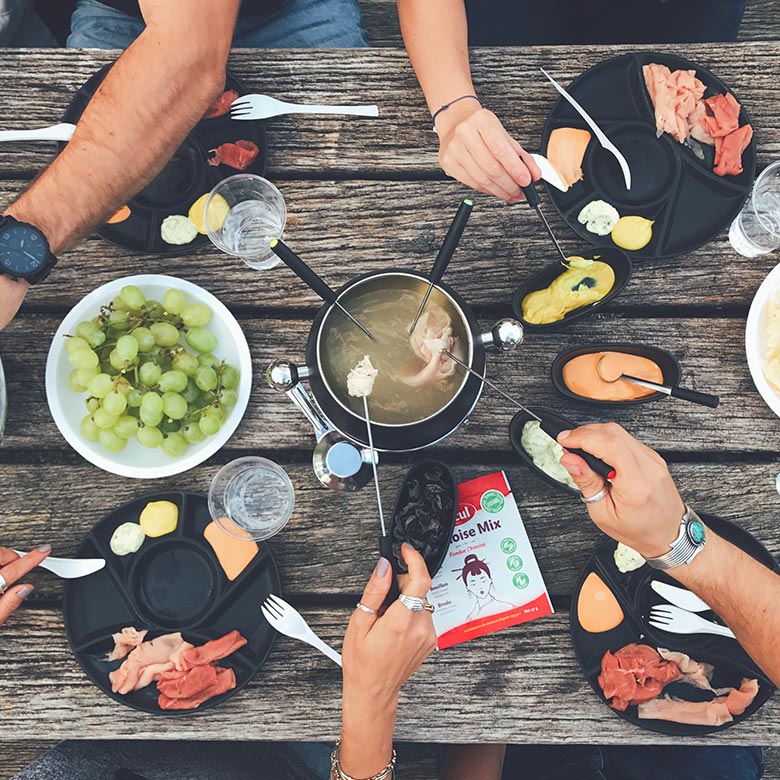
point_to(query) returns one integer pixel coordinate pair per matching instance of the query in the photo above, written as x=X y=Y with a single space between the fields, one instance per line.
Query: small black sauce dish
x=515 y=436
x=667 y=362
x=621 y=265
x=415 y=490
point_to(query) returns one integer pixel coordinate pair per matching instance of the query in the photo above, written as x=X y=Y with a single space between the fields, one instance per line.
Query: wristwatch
x=24 y=251
x=686 y=546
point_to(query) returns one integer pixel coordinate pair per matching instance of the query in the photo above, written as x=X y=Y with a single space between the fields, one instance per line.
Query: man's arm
x=473 y=145
x=150 y=100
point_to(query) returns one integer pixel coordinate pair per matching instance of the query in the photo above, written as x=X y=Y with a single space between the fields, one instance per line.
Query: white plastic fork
x=288 y=621
x=265 y=107
x=61 y=132
x=70 y=568
x=680 y=621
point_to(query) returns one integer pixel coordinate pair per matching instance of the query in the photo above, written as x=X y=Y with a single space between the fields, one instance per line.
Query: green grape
x=150 y=374
x=144 y=338
x=218 y=412
x=115 y=403
x=174 y=406
x=101 y=386
x=134 y=398
x=173 y=301
x=192 y=433
x=201 y=340
x=207 y=359
x=127 y=347
x=150 y=436
x=97 y=339
x=118 y=319
x=83 y=358
x=92 y=404
x=150 y=418
x=117 y=304
x=152 y=403
x=186 y=362
x=154 y=309
x=228 y=397
x=104 y=419
x=209 y=425
x=88 y=429
x=173 y=381
x=196 y=315
x=111 y=441
x=132 y=297
x=174 y=445
x=73 y=343
x=165 y=334
x=190 y=393
x=169 y=426
x=86 y=329
x=118 y=362
x=126 y=426
x=206 y=378
x=74 y=383
x=122 y=385
x=230 y=377
x=86 y=375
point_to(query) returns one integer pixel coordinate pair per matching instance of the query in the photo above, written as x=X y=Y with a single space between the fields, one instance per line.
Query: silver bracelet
x=337 y=773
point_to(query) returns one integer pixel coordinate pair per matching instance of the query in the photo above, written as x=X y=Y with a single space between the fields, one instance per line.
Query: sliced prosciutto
x=125 y=641
x=212 y=651
x=222 y=104
x=635 y=674
x=695 y=713
x=225 y=681
x=721 y=116
x=729 y=149
x=239 y=155
x=146 y=663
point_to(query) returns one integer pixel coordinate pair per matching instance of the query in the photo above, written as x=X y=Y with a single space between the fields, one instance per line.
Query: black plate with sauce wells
x=666 y=361
x=612 y=256
x=670 y=185
x=183 y=180
x=173 y=583
x=636 y=598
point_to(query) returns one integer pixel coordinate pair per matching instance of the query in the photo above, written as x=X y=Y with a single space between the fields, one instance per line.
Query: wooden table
x=362 y=196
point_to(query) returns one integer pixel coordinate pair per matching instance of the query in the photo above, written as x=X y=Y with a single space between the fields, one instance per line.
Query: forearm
x=744 y=593
x=436 y=37
x=132 y=126
x=367 y=733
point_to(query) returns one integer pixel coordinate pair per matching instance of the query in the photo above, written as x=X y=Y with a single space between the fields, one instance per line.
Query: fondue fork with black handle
x=535 y=202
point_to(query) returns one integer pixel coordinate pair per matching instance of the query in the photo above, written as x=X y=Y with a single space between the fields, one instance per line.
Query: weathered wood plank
x=711 y=352
x=17 y=755
x=330 y=544
x=400 y=142
x=531 y=670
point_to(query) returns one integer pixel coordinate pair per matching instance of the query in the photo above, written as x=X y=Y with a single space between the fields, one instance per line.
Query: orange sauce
x=581 y=376
x=234 y=555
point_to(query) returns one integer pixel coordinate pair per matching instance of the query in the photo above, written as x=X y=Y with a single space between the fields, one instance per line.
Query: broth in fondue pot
x=415 y=380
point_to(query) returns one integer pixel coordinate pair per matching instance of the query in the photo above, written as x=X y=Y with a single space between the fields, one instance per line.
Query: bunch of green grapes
x=143 y=381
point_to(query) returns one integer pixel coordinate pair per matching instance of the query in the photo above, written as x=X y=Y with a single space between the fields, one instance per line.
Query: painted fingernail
x=44 y=548
x=563 y=435
x=382 y=565
x=24 y=592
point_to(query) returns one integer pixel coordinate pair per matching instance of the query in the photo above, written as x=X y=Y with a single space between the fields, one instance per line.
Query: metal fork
x=61 y=132
x=265 y=107
x=288 y=621
x=680 y=621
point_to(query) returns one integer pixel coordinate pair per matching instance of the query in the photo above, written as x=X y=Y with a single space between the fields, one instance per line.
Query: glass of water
x=242 y=215
x=251 y=499
x=756 y=230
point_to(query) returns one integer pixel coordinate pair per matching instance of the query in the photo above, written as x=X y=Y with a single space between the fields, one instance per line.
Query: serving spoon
x=610 y=373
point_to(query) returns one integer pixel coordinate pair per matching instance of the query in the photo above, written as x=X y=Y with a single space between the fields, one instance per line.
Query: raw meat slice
x=699 y=675
x=125 y=641
x=675 y=96
x=431 y=335
x=565 y=151
x=184 y=685
x=226 y=681
x=696 y=713
x=738 y=700
x=222 y=104
x=239 y=155
x=212 y=651
x=722 y=115
x=634 y=674
x=729 y=149
x=695 y=127
x=156 y=654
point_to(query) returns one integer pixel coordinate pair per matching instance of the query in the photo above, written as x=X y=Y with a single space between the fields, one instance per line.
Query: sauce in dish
x=586 y=375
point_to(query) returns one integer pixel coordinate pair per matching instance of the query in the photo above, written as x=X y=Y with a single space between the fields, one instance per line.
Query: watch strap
x=683 y=549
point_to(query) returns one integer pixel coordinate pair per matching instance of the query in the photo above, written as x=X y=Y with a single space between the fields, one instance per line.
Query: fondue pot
x=341 y=431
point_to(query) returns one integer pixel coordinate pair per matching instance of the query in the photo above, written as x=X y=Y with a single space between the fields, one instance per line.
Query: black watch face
x=23 y=250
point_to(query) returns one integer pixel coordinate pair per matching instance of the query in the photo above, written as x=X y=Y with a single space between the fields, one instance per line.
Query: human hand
x=12 y=292
x=13 y=568
x=643 y=508
x=474 y=148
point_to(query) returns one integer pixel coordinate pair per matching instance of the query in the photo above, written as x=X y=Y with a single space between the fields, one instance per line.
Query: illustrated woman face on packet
x=476 y=577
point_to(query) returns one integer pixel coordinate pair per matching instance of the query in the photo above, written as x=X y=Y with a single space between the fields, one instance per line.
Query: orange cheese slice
x=597 y=607
x=565 y=151
x=234 y=555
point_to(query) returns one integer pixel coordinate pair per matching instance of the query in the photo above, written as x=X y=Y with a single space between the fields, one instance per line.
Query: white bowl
x=67 y=408
x=755 y=338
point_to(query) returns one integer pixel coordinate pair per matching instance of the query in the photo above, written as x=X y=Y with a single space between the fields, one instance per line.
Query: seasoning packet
x=490 y=578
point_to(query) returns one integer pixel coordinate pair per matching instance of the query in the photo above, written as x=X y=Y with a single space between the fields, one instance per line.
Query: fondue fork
x=535 y=202
x=548 y=426
x=445 y=253
x=373 y=465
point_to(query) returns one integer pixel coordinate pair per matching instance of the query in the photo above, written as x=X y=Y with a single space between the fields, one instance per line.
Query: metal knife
x=680 y=597
x=70 y=568
x=597 y=131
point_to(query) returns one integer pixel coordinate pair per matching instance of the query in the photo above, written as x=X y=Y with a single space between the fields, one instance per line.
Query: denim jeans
x=662 y=762
x=300 y=24
x=21 y=26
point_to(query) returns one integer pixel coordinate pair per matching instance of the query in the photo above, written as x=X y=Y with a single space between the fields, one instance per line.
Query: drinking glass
x=251 y=499
x=756 y=229
x=256 y=215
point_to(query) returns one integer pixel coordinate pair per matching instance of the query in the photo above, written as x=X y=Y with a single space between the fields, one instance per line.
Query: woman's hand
x=475 y=149
x=379 y=654
x=643 y=508
x=12 y=569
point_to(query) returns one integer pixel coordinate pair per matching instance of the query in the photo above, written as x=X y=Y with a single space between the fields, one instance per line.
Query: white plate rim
x=755 y=338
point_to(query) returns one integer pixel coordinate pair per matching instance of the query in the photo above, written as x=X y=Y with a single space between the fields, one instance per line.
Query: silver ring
x=3 y=585
x=601 y=494
x=363 y=608
x=412 y=603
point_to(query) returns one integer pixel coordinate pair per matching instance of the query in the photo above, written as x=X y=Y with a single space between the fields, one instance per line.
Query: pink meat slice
x=132 y=675
x=125 y=641
x=738 y=700
x=191 y=657
x=729 y=149
x=722 y=115
x=226 y=681
x=675 y=96
x=184 y=685
x=695 y=127
x=431 y=335
x=695 y=713
x=699 y=675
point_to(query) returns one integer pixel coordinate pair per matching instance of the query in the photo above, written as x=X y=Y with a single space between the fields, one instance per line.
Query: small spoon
x=615 y=375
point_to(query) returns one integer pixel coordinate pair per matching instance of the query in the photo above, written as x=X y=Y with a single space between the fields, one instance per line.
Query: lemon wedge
x=218 y=210
x=632 y=232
